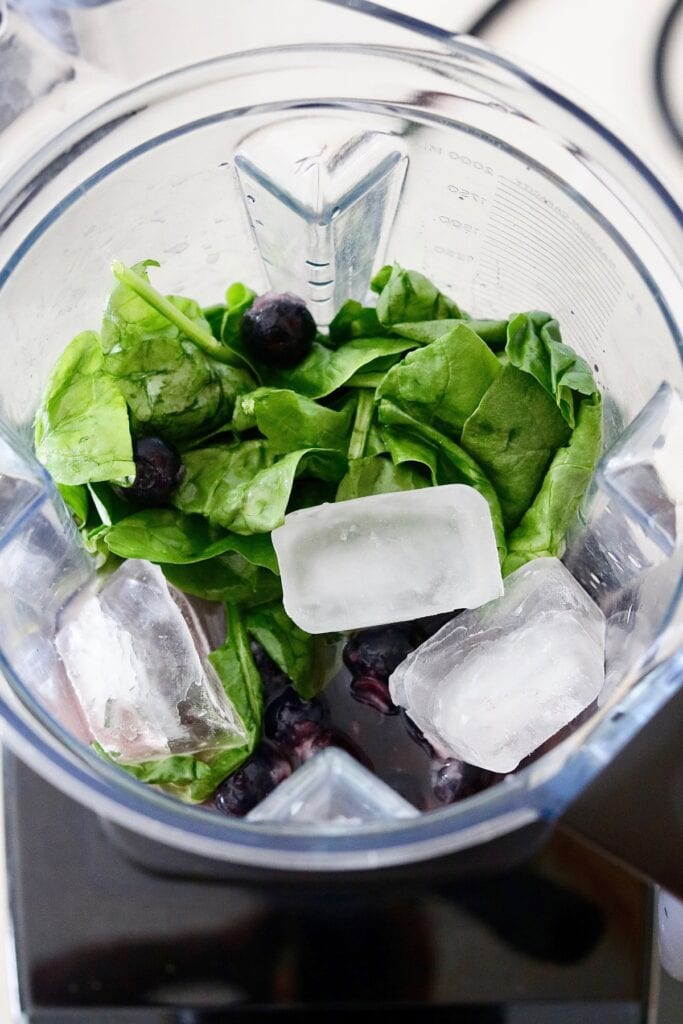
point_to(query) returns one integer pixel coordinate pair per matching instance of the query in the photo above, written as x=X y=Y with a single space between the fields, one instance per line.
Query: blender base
x=98 y=940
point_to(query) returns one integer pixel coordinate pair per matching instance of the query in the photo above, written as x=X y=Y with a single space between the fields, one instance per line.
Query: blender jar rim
x=121 y=797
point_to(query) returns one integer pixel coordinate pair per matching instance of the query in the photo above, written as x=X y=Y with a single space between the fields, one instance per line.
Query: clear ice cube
x=644 y=469
x=321 y=199
x=42 y=564
x=130 y=650
x=631 y=519
x=626 y=548
x=387 y=558
x=332 y=788
x=496 y=682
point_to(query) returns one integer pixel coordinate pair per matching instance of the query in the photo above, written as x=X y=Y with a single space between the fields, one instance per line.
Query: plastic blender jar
x=306 y=166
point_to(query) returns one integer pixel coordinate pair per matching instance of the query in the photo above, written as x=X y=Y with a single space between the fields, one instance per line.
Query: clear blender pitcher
x=292 y=161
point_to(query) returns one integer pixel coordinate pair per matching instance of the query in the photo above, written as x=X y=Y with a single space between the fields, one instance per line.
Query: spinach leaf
x=238 y=298
x=302 y=657
x=379 y=280
x=513 y=434
x=493 y=332
x=107 y=504
x=195 y=777
x=214 y=318
x=443 y=383
x=235 y=665
x=76 y=498
x=166 y=535
x=408 y=296
x=227 y=577
x=354 y=320
x=243 y=488
x=409 y=440
x=324 y=370
x=534 y=344
x=291 y=421
x=544 y=525
x=81 y=426
x=376 y=474
x=170 y=384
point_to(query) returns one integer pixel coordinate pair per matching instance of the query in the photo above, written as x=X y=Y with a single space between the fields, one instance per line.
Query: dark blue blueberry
x=157 y=471
x=378 y=651
x=278 y=330
x=373 y=692
x=455 y=780
x=291 y=720
x=250 y=784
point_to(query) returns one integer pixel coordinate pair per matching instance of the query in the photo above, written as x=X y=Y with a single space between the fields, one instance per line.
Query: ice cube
x=387 y=558
x=644 y=469
x=631 y=519
x=143 y=686
x=495 y=683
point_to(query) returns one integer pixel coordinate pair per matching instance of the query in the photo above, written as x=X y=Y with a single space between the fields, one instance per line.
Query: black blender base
x=98 y=940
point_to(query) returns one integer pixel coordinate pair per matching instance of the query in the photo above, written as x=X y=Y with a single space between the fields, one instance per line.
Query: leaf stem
x=203 y=339
x=361 y=425
x=365 y=380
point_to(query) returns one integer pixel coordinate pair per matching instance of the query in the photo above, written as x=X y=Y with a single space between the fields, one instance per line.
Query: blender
x=258 y=155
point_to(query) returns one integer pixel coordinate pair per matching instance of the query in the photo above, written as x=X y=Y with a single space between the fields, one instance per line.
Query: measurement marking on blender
x=541 y=268
x=533 y=214
x=312 y=263
x=554 y=293
x=557 y=238
x=554 y=289
x=578 y=327
x=603 y=291
x=525 y=204
x=505 y=225
x=522 y=190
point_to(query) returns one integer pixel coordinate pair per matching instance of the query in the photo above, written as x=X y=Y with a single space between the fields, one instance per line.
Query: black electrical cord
x=659 y=71
x=659 y=61
x=487 y=17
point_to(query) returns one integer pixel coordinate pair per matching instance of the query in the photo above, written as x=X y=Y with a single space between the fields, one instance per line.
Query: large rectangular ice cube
x=387 y=558
x=130 y=655
x=495 y=683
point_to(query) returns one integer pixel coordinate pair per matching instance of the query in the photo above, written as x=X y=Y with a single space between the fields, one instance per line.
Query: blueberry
x=455 y=780
x=157 y=471
x=377 y=652
x=373 y=692
x=250 y=784
x=278 y=330
x=291 y=720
